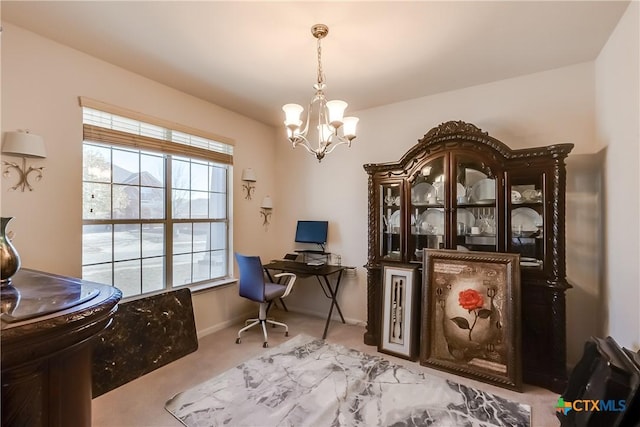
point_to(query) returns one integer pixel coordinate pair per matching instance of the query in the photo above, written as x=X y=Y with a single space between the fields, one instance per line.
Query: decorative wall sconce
x=23 y=144
x=265 y=210
x=248 y=177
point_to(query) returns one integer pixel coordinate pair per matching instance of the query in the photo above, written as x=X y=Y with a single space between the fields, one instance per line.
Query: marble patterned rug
x=309 y=382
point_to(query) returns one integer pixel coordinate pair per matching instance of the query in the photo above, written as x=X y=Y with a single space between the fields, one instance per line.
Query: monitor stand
x=318 y=257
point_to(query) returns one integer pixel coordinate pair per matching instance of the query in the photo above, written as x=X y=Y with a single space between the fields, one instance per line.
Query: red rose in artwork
x=470 y=299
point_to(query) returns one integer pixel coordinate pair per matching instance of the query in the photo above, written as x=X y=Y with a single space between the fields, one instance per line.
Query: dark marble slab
x=146 y=334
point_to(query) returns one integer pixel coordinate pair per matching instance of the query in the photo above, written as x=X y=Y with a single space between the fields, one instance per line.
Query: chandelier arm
x=334 y=145
x=304 y=143
x=305 y=131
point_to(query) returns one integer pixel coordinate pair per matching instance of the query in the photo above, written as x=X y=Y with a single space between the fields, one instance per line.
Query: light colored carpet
x=309 y=382
x=140 y=403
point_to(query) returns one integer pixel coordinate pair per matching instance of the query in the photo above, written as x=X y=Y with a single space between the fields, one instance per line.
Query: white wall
x=41 y=82
x=534 y=110
x=618 y=129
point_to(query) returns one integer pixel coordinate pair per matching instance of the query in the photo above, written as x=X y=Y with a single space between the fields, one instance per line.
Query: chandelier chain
x=320 y=72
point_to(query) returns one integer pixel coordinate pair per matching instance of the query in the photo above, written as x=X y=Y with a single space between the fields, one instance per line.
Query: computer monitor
x=312 y=232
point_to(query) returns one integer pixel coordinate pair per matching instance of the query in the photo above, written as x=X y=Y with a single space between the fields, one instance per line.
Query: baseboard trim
x=217 y=327
x=238 y=319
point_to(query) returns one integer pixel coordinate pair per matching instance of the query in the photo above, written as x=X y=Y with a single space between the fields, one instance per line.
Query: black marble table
x=47 y=325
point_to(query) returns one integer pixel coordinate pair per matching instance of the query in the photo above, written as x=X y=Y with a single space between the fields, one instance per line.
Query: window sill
x=201 y=287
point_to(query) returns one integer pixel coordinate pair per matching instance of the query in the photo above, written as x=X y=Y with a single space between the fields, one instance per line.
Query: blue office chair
x=254 y=287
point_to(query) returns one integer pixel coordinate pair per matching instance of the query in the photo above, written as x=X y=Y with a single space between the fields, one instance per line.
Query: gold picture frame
x=470 y=317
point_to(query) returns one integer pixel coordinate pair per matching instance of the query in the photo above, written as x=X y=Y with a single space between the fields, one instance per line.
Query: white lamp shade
x=267 y=203
x=349 y=126
x=292 y=114
x=23 y=144
x=248 y=175
x=336 y=111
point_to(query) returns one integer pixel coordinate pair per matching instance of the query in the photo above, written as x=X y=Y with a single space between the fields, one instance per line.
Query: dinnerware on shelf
x=432 y=221
x=484 y=191
x=394 y=222
x=486 y=221
x=532 y=195
x=531 y=263
x=515 y=196
x=466 y=218
x=440 y=186
x=525 y=220
x=421 y=192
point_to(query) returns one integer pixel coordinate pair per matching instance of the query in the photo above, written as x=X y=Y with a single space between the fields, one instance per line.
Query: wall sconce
x=249 y=177
x=265 y=210
x=23 y=144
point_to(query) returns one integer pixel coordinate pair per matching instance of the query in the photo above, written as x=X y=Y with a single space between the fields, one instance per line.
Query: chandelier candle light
x=326 y=116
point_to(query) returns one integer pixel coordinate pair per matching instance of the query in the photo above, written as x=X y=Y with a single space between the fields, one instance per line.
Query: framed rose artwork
x=470 y=316
x=400 y=313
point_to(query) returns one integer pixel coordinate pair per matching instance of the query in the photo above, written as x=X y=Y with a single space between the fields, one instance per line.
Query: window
x=155 y=205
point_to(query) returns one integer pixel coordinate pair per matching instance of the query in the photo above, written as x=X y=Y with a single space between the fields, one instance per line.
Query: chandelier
x=324 y=118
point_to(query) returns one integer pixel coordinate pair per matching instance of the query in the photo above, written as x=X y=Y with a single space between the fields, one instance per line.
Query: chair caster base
x=265 y=345
x=237 y=340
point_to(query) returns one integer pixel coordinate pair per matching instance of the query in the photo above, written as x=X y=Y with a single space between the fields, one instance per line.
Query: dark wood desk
x=322 y=273
x=48 y=325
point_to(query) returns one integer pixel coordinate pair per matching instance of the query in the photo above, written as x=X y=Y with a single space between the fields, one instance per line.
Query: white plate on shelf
x=465 y=216
x=530 y=263
x=525 y=219
x=433 y=218
x=439 y=186
x=484 y=191
x=471 y=176
x=421 y=192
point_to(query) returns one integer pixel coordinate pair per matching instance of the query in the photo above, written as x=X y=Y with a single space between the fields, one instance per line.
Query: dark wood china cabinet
x=460 y=188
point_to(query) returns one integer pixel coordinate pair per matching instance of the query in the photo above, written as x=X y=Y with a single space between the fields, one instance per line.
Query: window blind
x=110 y=128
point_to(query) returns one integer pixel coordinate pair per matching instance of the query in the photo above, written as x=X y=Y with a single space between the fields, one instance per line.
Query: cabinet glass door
x=476 y=191
x=526 y=219
x=427 y=209
x=391 y=221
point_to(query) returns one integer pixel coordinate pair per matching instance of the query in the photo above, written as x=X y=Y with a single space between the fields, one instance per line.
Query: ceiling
x=253 y=57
